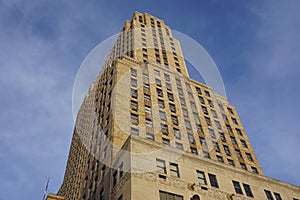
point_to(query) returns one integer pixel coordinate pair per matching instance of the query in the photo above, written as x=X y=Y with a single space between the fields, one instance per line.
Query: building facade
x=146 y=130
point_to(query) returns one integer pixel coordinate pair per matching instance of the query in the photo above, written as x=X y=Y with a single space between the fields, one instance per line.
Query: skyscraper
x=146 y=130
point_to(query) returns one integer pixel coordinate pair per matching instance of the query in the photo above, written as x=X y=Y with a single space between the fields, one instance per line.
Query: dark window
x=249 y=157
x=172 y=107
x=269 y=195
x=134 y=131
x=231 y=162
x=166 y=141
x=169 y=196
x=213 y=180
x=194 y=150
x=248 y=190
x=179 y=145
x=277 y=196
x=115 y=177
x=191 y=138
x=244 y=144
x=150 y=136
x=243 y=166
x=237 y=187
x=254 y=169
x=206 y=154
x=220 y=158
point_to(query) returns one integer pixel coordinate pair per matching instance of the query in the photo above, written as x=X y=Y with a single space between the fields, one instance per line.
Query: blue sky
x=255 y=44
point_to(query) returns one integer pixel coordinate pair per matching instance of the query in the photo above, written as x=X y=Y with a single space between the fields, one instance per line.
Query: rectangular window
x=133 y=72
x=133 y=82
x=254 y=169
x=180 y=91
x=196 y=117
x=159 y=92
x=212 y=133
x=182 y=101
x=169 y=196
x=161 y=166
x=243 y=166
x=194 y=151
x=178 y=82
x=199 y=127
x=202 y=141
x=210 y=103
x=148 y=109
x=167 y=77
x=134 y=131
x=213 y=180
x=168 y=86
x=201 y=177
x=238 y=153
x=147 y=97
x=134 y=105
x=156 y=72
x=204 y=109
x=188 y=124
x=222 y=136
x=201 y=99
x=134 y=119
x=170 y=96
x=230 y=110
x=239 y=131
x=161 y=103
x=214 y=113
x=174 y=171
x=206 y=154
x=248 y=190
x=237 y=187
x=149 y=123
x=226 y=149
x=216 y=146
x=233 y=140
x=229 y=128
x=158 y=82
x=207 y=93
x=191 y=138
x=164 y=129
x=150 y=136
x=174 y=119
x=269 y=195
x=177 y=133
x=179 y=145
x=163 y=116
x=120 y=198
x=244 y=144
x=249 y=157
x=220 y=158
x=172 y=107
x=208 y=122
x=234 y=121
x=166 y=141
x=198 y=90
x=230 y=162
x=185 y=112
x=134 y=93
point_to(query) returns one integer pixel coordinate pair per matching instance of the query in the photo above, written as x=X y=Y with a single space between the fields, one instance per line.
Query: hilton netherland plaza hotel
x=146 y=131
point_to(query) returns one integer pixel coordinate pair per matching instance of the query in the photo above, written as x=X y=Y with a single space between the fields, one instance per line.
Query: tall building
x=146 y=130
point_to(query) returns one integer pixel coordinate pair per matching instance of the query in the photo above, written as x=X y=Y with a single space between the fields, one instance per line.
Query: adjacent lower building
x=146 y=130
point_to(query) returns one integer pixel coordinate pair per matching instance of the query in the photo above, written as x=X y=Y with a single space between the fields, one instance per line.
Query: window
x=158 y=82
x=220 y=158
x=207 y=93
x=191 y=138
x=134 y=119
x=226 y=149
x=166 y=141
x=149 y=123
x=221 y=107
x=204 y=109
x=150 y=136
x=243 y=166
x=174 y=119
x=216 y=146
x=239 y=131
x=202 y=141
x=146 y=86
x=248 y=190
x=199 y=127
x=134 y=105
x=162 y=115
x=161 y=103
x=233 y=140
x=147 y=97
x=222 y=136
x=156 y=72
x=172 y=107
x=134 y=93
x=177 y=133
x=201 y=177
x=244 y=144
x=169 y=196
x=148 y=109
x=133 y=82
x=224 y=117
x=185 y=112
x=198 y=90
x=237 y=187
x=229 y=128
x=211 y=133
x=193 y=105
x=161 y=166
x=213 y=180
x=254 y=169
x=269 y=195
x=164 y=129
x=196 y=117
x=187 y=124
x=167 y=77
x=214 y=113
x=277 y=196
x=168 y=86
x=170 y=96
x=182 y=101
x=179 y=145
x=180 y=91
x=238 y=153
x=208 y=122
x=159 y=92
x=206 y=154
x=134 y=131
x=133 y=72
x=201 y=99
x=120 y=198
x=230 y=162
x=249 y=157
x=174 y=171
x=194 y=151
x=178 y=82
x=211 y=104
x=234 y=121
x=230 y=110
